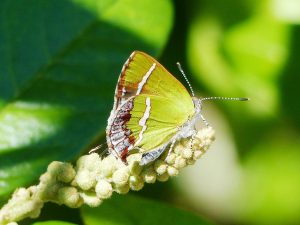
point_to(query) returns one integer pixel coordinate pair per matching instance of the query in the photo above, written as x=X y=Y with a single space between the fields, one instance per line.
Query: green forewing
x=160 y=83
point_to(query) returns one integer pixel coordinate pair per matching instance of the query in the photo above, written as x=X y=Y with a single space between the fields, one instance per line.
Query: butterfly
x=152 y=110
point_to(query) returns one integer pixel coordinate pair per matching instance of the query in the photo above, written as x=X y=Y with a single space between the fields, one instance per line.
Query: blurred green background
x=59 y=63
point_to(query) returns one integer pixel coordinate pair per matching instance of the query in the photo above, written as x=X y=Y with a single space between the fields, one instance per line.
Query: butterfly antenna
x=185 y=77
x=224 y=98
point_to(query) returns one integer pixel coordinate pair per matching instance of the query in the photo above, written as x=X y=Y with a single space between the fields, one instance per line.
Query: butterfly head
x=198 y=108
x=198 y=104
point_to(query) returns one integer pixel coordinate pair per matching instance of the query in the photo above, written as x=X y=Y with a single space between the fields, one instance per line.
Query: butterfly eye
x=197 y=104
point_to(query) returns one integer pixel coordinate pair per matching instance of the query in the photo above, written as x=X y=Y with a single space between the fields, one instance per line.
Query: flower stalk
x=93 y=179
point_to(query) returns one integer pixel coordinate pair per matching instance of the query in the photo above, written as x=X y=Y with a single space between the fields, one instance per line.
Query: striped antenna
x=183 y=74
x=224 y=98
x=207 y=98
x=219 y=98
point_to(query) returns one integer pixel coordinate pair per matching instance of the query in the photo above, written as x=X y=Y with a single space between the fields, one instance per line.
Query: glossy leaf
x=60 y=61
x=53 y=222
x=127 y=210
x=270 y=191
x=238 y=55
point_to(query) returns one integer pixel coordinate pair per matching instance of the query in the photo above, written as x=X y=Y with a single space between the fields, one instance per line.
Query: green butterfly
x=152 y=110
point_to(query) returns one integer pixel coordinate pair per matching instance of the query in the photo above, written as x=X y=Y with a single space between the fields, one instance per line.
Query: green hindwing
x=156 y=119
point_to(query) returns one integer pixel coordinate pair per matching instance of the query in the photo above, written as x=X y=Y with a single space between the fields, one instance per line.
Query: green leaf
x=270 y=191
x=60 y=62
x=53 y=222
x=129 y=209
x=238 y=50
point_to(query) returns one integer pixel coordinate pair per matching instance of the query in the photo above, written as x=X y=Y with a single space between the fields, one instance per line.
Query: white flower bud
x=172 y=171
x=108 y=166
x=85 y=180
x=61 y=171
x=136 y=183
x=185 y=143
x=46 y=178
x=179 y=162
x=135 y=168
x=91 y=199
x=190 y=161
x=67 y=173
x=120 y=177
x=122 y=189
x=22 y=193
x=149 y=175
x=206 y=133
x=178 y=148
x=20 y=206
x=197 y=154
x=103 y=189
x=36 y=209
x=187 y=153
x=134 y=158
x=170 y=158
x=90 y=162
x=160 y=166
x=163 y=177
x=70 y=197
x=48 y=191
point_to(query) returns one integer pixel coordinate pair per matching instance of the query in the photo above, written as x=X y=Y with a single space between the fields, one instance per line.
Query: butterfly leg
x=97 y=148
x=171 y=147
x=105 y=151
x=204 y=120
x=193 y=138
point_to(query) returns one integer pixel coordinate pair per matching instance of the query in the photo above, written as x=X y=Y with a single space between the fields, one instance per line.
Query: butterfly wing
x=154 y=120
x=150 y=106
x=142 y=74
